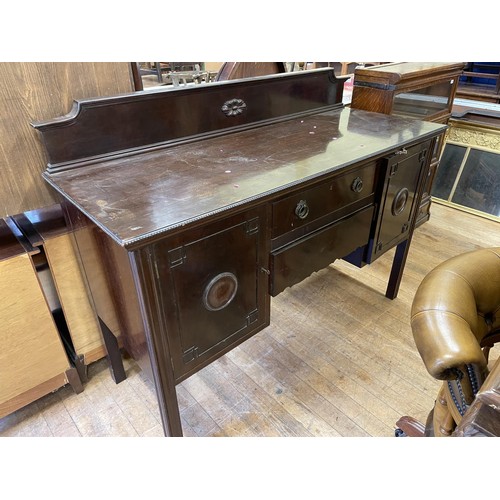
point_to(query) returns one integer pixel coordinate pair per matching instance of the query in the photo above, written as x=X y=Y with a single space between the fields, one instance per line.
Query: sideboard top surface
x=137 y=197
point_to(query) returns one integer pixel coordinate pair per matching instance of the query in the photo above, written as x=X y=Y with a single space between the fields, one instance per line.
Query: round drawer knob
x=220 y=291
x=357 y=185
x=302 y=209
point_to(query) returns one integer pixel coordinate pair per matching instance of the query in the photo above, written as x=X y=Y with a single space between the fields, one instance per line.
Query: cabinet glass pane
x=479 y=184
x=447 y=170
x=425 y=102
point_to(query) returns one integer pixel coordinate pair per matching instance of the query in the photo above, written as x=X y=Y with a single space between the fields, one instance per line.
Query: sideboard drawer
x=321 y=201
x=293 y=263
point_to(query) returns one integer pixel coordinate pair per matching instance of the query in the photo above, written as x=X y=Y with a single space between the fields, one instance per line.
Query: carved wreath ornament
x=234 y=107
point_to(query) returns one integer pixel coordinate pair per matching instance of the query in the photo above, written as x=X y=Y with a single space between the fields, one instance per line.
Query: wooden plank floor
x=337 y=360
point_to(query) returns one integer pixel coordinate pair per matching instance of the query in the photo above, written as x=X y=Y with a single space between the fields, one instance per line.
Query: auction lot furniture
x=190 y=207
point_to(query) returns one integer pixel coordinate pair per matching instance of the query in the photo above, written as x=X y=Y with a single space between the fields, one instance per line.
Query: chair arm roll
x=454 y=346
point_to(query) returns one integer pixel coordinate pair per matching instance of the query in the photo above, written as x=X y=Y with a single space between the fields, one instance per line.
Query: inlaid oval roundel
x=400 y=200
x=220 y=291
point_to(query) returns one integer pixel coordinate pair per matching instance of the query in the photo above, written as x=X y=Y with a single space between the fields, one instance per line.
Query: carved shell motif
x=234 y=107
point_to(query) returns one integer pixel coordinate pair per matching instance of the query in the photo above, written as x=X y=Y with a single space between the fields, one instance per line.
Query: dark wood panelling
x=210 y=176
x=35 y=91
x=98 y=127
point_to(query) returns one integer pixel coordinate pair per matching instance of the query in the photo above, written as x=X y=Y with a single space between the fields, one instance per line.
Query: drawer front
x=305 y=207
x=297 y=261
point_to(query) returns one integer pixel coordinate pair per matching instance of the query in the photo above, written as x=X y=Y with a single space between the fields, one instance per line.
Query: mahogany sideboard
x=192 y=206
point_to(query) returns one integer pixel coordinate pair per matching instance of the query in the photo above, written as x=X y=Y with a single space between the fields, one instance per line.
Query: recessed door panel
x=398 y=202
x=214 y=290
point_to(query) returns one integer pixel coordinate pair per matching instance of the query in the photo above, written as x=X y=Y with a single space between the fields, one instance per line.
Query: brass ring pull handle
x=220 y=291
x=357 y=185
x=302 y=209
x=399 y=202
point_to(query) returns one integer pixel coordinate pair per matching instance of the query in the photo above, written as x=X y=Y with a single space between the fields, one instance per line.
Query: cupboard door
x=404 y=171
x=213 y=288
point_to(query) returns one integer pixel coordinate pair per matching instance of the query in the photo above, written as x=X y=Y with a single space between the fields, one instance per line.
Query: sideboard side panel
x=111 y=284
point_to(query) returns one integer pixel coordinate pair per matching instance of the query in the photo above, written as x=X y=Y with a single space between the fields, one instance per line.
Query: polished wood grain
x=222 y=174
x=32 y=91
x=407 y=75
x=165 y=116
x=328 y=366
x=110 y=284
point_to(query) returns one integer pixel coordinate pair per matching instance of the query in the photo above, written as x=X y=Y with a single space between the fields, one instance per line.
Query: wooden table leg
x=171 y=418
x=398 y=265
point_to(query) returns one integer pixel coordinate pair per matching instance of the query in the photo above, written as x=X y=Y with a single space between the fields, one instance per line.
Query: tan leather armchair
x=455 y=319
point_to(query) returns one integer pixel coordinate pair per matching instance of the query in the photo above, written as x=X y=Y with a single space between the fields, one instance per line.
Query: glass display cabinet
x=420 y=90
